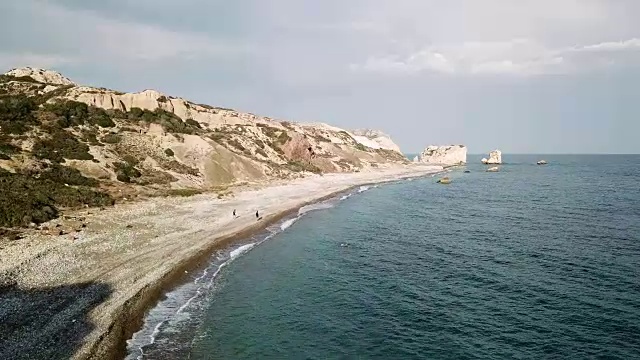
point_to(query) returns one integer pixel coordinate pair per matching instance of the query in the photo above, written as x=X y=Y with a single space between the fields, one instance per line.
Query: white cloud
x=91 y=36
x=516 y=57
x=9 y=60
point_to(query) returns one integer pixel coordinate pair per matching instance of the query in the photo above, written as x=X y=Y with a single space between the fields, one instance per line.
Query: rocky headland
x=443 y=155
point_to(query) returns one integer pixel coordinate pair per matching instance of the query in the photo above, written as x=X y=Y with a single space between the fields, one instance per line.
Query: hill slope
x=66 y=145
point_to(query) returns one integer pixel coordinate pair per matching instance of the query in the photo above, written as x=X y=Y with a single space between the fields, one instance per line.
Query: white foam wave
x=285 y=225
x=363 y=188
x=237 y=252
x=345 y=197
x=319 y=206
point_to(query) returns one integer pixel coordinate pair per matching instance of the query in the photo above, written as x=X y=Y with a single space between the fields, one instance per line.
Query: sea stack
x=495 y=157
x=443 y=155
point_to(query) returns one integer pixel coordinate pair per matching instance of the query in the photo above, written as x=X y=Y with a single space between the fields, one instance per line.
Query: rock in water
x=443 y=155
x=493 y=169
x=495 y=157
x=542 y=162
x=444 y=180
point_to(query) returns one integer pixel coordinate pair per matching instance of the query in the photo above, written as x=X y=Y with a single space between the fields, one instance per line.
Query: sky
x=525 y=76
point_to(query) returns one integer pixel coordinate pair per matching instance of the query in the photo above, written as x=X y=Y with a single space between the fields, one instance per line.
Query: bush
x=261 y=152
x=61 y=145
x=193 y=123
x=361 y=147
x=283 y=138
x=16 y=114
x=126 y=171
x=299 y=166
x=66 y=175
x=111 y=139
x=162 y=99
x=236 y=144
x=169 y=152
x=26 y=199
x=6 y=149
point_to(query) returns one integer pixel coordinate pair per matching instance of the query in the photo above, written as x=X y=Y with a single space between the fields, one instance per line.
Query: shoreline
x=144 y=261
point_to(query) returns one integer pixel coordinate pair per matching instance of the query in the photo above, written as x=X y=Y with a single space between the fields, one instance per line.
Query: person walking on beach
x=234 y=212
x=257 y=215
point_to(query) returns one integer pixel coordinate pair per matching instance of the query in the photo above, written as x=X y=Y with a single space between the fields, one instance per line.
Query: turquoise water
x=532 y=262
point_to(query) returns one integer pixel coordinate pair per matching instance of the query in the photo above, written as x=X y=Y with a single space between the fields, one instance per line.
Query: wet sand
x=82 y=298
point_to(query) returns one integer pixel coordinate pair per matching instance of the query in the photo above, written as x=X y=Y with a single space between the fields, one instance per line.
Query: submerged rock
x=444 y=180
x=495 y=157
x=443 y=155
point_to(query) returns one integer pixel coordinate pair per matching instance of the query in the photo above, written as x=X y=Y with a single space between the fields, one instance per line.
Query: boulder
x=542 y=162
x=443 y=155
x=495 y=157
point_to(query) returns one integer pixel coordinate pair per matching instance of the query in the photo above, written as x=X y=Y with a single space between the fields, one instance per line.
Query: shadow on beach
x=47 y=323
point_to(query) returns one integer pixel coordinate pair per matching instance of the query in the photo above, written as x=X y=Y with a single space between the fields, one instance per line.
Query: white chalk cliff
x=375 y=139
x=41 y=75
x=213 y=117
x=443 y=155
x=495 y=157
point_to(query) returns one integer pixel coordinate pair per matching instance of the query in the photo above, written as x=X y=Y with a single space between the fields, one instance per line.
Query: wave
x=345 y=197
x=319 y=206
x=239 y=251
x=285 y=225
x=171 y=311
x=363 y=188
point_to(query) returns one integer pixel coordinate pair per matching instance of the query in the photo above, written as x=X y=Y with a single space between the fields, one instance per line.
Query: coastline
x=142 y=250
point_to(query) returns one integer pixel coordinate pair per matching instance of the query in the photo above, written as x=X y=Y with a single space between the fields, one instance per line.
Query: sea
x=531 y=262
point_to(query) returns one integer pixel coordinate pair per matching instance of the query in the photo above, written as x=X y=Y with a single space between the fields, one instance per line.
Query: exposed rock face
x=156 y=135
x=376 y=138
x=443 y=155
x=495 y=157
x=41 y=75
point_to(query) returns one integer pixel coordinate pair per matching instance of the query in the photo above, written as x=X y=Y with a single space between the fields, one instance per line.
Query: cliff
x=443 y=155
x=92 y=144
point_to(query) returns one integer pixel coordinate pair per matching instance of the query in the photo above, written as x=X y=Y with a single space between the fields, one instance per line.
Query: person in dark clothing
x=257 y=215
x=234 y=212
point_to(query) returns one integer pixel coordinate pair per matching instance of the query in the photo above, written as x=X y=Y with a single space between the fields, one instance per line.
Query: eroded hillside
x=63 y=145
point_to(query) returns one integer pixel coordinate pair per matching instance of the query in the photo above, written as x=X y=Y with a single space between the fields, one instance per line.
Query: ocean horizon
x=530 y=262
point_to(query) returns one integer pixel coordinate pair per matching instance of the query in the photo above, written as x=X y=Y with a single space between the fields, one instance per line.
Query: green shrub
x=361 y=147
x=283 y=138
x=111 y=139
x=125 y=172
x=321 y=138
x=135 y=113
x=61 y=145
x=168 y=152
x=66 y=175
x=236 y=144
x=193 y=123
x=261 y=152
x=16 y=114
x=26 y=199
x=299 y=166
x=217 y=136
x=6 y=149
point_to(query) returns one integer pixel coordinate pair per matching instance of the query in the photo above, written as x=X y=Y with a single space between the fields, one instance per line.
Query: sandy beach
x=82 y=298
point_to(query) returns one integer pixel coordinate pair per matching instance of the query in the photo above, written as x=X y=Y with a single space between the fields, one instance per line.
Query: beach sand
x=81 y=298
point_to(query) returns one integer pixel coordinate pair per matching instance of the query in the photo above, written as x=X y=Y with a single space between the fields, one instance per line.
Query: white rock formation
x=380 y=140
x=495 y=157
x=41 y=75
x=443 y=155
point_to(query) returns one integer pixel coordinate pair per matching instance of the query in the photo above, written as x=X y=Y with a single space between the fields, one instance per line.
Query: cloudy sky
x=525 y=76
